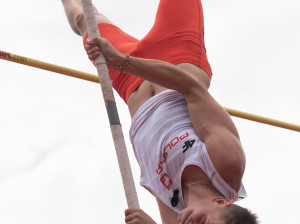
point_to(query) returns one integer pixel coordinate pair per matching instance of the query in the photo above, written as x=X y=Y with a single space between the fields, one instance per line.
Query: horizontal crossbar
x=93 y=78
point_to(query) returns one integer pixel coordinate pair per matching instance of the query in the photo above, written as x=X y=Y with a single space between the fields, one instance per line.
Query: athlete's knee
x=79 y=23
x=100 y=18
x=79 y=20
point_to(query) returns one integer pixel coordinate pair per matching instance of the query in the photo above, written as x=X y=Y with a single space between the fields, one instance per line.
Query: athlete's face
x=203 y=213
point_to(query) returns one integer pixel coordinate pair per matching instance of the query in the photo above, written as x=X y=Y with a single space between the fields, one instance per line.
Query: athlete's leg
x=119 y=39
x=177 y=35
x=75 y=16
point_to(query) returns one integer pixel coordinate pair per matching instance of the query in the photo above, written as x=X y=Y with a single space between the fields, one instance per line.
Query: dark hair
x=235 y=214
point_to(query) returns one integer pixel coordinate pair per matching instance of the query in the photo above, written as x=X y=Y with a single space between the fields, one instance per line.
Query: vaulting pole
x=93 y=78
x=116 y=129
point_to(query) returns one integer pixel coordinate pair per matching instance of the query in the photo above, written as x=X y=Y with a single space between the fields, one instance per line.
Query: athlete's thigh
x=178 y=33
x=177 y=15
x=100 y=18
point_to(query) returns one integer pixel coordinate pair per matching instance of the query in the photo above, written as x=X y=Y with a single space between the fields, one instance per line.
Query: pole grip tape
x=112 y=111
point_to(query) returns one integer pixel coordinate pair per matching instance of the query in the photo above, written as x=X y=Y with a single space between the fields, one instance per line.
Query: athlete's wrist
x=122 y=63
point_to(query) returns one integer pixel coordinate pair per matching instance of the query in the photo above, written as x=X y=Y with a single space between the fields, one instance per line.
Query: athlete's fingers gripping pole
x=116 y=129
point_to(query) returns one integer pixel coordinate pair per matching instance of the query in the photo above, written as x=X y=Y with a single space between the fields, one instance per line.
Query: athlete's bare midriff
x=148 y=89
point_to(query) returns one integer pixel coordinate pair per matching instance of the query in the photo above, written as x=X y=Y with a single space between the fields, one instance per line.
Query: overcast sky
x=57 y=159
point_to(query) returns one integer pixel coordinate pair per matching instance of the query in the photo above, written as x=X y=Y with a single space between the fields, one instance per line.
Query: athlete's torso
x=148 y=89
x=144 y=92
x=158 y=119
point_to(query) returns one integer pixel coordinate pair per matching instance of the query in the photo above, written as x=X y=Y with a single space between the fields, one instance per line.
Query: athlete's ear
x=223 y=202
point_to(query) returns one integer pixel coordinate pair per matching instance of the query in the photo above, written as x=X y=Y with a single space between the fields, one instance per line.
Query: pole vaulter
x=93 y=78
x=187 y=146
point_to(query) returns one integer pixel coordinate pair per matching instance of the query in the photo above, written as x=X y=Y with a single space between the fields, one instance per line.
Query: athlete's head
x=217 y=211
x=235 y=214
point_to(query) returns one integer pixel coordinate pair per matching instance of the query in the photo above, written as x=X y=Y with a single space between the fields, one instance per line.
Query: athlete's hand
x=112 y=55
x=137 y=216
x=192 y=214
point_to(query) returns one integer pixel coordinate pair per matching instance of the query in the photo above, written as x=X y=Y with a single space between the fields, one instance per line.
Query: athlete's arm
x=158 y=72
x=214 y=126
x=211 y=122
